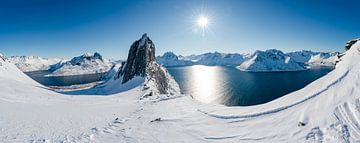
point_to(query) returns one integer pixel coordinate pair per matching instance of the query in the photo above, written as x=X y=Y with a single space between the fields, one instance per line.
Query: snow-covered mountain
x=32 y=63
x=315 y=58
x=324 y=59
x=327 y=110
x=302 y=56
x=140 y=69
x=84 y=64
x=270 y=60
x=170 y=59
x=216 y=58
x=209 y=59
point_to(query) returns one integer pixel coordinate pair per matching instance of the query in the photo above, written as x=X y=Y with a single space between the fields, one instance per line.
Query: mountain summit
x=140 y=70
x=140 y=58
x=141 y=62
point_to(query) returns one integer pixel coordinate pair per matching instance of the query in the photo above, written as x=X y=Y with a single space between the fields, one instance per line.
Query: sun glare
x=203 y=22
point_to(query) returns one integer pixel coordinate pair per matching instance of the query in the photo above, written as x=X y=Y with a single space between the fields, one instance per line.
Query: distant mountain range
x=269 y=60
x=84 y=64
x=33 y=63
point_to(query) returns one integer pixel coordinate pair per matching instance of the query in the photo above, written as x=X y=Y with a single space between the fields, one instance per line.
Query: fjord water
x=232 y=87
x=40 y=77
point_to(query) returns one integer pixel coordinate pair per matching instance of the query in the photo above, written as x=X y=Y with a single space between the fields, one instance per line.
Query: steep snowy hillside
x=32 y=63
x=170 y=59
x=326 y=110
x=270 y=60
x=84 y=64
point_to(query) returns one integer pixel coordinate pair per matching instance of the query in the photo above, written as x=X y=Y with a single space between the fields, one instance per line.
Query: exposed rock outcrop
x=141 y=55
x=350 y=43
x=141 y=62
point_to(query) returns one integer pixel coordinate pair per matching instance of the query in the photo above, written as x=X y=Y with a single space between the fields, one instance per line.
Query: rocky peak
x=141 y=55
x=141 y=62
x=2 y=57
x=350 y=43
x=169 y=55
x=97 y=56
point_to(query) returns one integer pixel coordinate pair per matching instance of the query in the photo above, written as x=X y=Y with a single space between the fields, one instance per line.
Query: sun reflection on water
x=205 y=82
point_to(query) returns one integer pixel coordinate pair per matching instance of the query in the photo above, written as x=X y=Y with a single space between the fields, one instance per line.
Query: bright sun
x=203 y=22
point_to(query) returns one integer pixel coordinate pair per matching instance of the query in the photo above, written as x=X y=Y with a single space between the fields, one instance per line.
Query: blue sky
x=67 y=28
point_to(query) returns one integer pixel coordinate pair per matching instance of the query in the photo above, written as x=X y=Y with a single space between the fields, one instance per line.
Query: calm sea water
x=39 y=76
x=232 y=87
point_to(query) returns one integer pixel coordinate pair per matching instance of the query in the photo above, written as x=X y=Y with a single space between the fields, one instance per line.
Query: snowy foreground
x=326 y=110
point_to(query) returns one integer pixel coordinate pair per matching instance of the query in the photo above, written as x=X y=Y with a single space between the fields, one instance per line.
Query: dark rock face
x=141 y=54
x=350 y=43
x=141 y=61
x=2 y=57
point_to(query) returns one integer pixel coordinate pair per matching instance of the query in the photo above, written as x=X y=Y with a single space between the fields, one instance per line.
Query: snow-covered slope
x=324 y=59
x=209 y=59
x=270 y=60
x=84 y=64
x=32 y=63
x=326 y=110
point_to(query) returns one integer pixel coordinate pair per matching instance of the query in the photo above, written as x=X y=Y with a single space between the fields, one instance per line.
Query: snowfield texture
x=84 y=64
x=327 y=110
x=33 y=63
x=270 y=60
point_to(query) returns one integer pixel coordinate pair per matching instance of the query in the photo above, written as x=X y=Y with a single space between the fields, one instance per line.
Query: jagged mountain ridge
x=84 y=64
x=304 y=58
x=209 y=59
x=270 y=60
x=141 y=62
x=139 y=70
